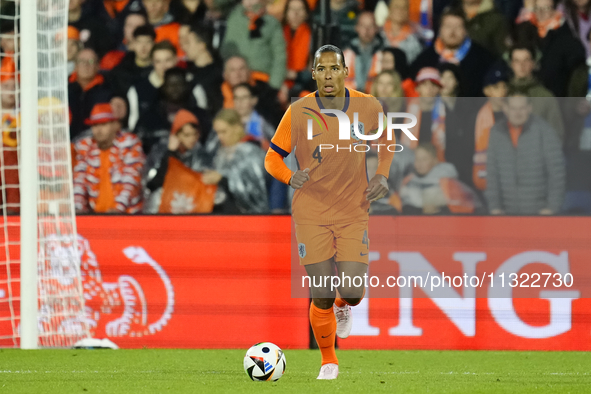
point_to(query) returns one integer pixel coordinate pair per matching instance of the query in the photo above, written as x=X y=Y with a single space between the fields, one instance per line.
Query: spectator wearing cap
x=525 y=169
x=400 y=32
x=107 y=176
x=144 y=92
x=163 y=21
x=486 y=25
x=136 y=64
x=495 y=89
x=454 y=46
x=258 y=38
x=74 y=46
x=545 y=104
x=113 y=58
x=363 y=55
x=562 y=52
x=94 y=32
x=182 y=144
x=175 y=94
x=205 y=66
x=429 y=111
x=86 y=88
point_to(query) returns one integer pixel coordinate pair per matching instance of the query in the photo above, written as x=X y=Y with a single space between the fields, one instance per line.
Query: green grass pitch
x=220 y=371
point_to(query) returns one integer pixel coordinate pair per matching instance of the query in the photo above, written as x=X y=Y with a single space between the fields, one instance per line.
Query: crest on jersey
x=302 y=250
x=361 y=130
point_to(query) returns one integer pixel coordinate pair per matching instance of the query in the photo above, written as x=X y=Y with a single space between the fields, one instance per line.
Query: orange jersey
x=336 y=192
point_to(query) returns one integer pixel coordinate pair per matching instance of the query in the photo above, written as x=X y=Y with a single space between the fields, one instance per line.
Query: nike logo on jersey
x=363 y=254
x=316 y=135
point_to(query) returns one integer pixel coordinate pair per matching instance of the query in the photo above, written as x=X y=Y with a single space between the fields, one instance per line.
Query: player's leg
x=322 y=318
x=352 y=246
x=316 y=250
x=351 y=291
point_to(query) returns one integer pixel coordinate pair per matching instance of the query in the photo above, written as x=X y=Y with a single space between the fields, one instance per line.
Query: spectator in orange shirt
x=107 y=176
x=298 y=38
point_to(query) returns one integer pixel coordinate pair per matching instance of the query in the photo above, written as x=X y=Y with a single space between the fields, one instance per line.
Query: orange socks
x=324 y=325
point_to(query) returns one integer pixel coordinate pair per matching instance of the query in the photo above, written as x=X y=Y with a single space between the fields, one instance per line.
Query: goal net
x=41 y=294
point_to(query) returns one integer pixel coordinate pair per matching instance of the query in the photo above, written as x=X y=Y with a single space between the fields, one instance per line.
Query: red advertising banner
x=225 y=282
x=186 y=282
x=521 y=314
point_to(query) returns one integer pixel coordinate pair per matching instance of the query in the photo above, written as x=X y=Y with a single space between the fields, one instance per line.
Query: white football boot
x=344 y=320
x=328 y=372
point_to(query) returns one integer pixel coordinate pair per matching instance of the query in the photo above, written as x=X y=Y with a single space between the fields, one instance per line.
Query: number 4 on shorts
x=365 y=240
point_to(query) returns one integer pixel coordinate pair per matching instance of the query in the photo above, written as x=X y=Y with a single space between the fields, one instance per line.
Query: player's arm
x=279 y=149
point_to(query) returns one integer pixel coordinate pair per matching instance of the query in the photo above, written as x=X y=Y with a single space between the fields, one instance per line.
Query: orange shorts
x=344 y=242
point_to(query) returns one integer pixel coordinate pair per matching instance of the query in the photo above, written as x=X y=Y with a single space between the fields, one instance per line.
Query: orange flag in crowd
x=184 y=191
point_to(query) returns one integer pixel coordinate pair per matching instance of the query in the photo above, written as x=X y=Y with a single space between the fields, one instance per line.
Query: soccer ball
x=264 y=361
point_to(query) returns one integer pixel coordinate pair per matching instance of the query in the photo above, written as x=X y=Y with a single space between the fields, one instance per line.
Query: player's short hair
x=329 y=48
x=163 y=46
x=429 y=148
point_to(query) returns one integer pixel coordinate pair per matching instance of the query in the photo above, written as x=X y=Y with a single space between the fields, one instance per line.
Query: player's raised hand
x=377 y=188
x=299 y=178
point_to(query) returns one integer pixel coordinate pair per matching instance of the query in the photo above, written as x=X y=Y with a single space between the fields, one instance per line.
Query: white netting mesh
x=61 y=304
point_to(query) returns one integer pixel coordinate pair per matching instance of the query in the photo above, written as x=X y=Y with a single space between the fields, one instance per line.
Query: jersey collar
x=345 y=108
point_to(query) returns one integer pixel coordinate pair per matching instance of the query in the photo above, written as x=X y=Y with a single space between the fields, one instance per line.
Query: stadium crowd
x=173 y=102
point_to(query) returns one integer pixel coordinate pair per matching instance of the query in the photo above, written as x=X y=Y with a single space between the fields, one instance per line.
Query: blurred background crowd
x=173 y=102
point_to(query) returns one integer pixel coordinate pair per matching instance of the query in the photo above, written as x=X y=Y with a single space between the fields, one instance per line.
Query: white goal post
x=47 y=309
